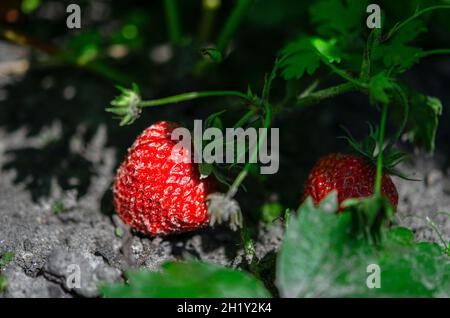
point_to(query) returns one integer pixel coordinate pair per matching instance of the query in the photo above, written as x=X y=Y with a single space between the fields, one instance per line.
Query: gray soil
x=50 y=234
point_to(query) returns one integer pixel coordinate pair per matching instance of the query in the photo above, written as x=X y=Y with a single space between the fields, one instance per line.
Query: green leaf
x=296 y=65
x=305 y=54
x=188 y=279
x=28 y=6
x=212 y=54
x=379 y=87
x=214 y=120
x=417 y=271
x=338 y=17
x=85 y=46
x=271 y=211
x=397 y=53
x=328 y=49
x=58 y=207
x=322 y=257
x=205 y=169
x=6 y=258
x=423 y=120
x=314 y=252
x=401 y=235
x=3 y=283
x=118 y=232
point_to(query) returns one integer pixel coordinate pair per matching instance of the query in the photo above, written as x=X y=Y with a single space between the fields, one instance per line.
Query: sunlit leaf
x=305 y=54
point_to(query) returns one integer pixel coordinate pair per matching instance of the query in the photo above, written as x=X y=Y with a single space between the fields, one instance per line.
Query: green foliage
x=131 y=32
x=401 y=235
x=212 y=54
x=321 y=257
x=323 y=253
x=118 y=232
x=205 y=169
x=423 y=120
x=305 y=54
x=85 y=46
x=397 y=53
x=386 y=56
x=214 y=120
x=271 y=211
x=338 y=17
x=3 y=283
x=58 y=207
x=188 y=279
x=28 y=6
x=380 y=86
x=6 y=258
x=367 y=146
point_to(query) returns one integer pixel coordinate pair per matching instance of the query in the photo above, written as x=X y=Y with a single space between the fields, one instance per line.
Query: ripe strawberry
x=156 y=192
x=351 y=176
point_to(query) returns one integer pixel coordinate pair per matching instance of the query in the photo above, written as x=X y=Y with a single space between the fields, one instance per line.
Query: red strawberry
x=351 y=176
x=157 y=193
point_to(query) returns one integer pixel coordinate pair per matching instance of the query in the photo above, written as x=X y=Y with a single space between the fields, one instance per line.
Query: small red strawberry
x=156 y=192
x=350 y=176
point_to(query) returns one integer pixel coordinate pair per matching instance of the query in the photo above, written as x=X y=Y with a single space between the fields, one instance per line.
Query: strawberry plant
x=293 y=73
x=321 y=256
x=324 y=253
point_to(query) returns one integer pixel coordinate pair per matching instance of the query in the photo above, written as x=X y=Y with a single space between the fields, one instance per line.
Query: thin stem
x=237 y=182
x=232 y=24
x=404 y=101
x=433 y=52
x=244 y=119
x=209 y=10
x=416 y=15
x=310 y=89
x=173 y=21
x=320 y=95
x=436 y=230
x=262 y=138
x=372 y=42
x=287 y=216
x=106 y=71
x=343 y=74
x=379 y=174
x=340 y=72
x=249 y=247
x=190 y=96
x=95 y=67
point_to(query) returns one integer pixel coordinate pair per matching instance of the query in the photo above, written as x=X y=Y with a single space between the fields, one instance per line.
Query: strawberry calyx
x=126 y=106
x=367 y=149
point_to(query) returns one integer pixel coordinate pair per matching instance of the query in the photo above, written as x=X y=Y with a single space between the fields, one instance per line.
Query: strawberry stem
x=415 y=16
x=190 y=96
x=432 y=52
x=252 y=158
x=379 y=174
x=318 y=96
